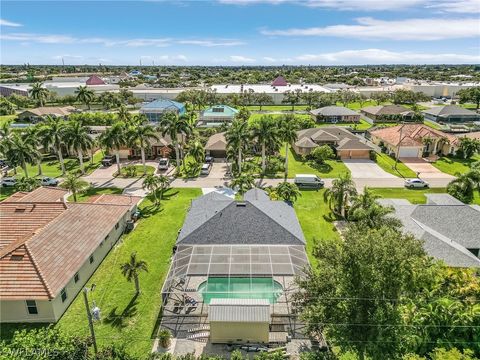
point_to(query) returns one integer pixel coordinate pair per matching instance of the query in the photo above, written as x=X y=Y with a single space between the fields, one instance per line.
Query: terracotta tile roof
x=110 y=199
x=412 y=134
x=41 y=194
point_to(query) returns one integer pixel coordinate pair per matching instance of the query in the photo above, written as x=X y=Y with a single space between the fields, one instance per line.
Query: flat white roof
x=260 y=88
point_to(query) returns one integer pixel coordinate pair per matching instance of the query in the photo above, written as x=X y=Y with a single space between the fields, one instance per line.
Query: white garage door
x=406 y=152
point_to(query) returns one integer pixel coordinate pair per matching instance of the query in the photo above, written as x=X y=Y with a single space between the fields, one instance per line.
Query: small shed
x=239 y=320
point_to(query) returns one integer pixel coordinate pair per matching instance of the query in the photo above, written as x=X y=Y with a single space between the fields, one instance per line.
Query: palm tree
x=236 y=136
x=53 y=134
x=288 y=134
x=288 y=192
x=20 y=152
x=156 y=184
x=243 y=183
x=75 y=185
x=77 y=137
x=85 y=95
x=132 y=268
x=197 y=151
x=338 y=196
x=141 y=136
x=113 y=139
x=123 y=114
x=31 y=136
x=39 y=93
x=464 y=185
x=265 y=132
x=174 y=125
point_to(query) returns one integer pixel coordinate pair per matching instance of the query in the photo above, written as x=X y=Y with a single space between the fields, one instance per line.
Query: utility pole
x=90 y=320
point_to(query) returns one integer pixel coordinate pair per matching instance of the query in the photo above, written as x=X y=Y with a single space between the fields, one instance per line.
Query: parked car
x=206 y=169
x=416 y=183
x=209 y=159
x=48 y=181
x=163 y=164
x=8 y=181
x=308 y=181
x=108 y=160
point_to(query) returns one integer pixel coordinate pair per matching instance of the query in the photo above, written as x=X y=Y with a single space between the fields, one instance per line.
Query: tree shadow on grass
x=120 y=320
x=323 y=168
x=153 y=209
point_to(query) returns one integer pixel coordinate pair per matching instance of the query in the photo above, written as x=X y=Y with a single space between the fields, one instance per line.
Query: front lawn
x=138 y=171
x=453 y=166
x=331 y=168
x=276 y=107
x=388 y=164
x=415 y=196
x=6 y=192
x=127 y=320
x=92 y=191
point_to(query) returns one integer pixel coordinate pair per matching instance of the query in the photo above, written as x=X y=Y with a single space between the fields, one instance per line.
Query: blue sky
x=241 y=32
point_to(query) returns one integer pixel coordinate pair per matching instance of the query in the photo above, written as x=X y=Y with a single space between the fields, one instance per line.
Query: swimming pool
x=240 y=288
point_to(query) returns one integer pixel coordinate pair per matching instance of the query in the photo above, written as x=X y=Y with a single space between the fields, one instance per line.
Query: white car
x=163 y=164
x=8 y=181
x=416 y=183
x=48 y=181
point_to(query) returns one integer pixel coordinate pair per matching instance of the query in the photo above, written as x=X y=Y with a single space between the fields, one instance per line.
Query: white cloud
x=4 y=22
x=67 y=56
x=408 y=29
x=211 y=43
x=241 y=59
x=458 y=6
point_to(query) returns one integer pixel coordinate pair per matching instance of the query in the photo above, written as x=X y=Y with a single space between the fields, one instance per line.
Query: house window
x=32 y=307
x=63 y=294
x=91 y=259
x=76 y=277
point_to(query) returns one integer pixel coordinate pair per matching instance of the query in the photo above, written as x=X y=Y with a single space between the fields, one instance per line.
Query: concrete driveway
x=366 y=169
x=218 y=171
x=425 y=169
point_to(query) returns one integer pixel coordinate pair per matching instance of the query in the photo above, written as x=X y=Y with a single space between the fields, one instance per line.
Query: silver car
x=415 y=183
x=206 y=169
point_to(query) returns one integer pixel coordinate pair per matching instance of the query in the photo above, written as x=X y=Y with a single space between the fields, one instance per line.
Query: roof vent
x=241 y=204
x=20 y=208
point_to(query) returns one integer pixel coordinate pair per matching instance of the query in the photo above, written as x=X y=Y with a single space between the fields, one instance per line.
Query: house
x=216 y=146
x=94 y=80
x=237 y=262
x=388 y=113
x=450 y=113
x=217 y=115
x=346 y=144
x=157 y=108
x=334 y=114
x=49 y=248
x=158 y=148
x=448 y=228
x=39 y=114
x=414 y=140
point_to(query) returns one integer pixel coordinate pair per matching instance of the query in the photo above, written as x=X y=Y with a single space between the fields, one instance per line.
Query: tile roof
x=111 y=199
x=279 y=81
x=412 y=134
x=41 y=194
x=344 y=139
x=353 y=144
x=239 y=310
x=216 y=142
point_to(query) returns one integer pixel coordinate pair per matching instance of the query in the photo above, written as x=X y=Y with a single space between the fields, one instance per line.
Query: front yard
x=127 y=319
x=453 y=166
x=137 y=171
x=388 y=165
x=92 y=191
x=415 y=196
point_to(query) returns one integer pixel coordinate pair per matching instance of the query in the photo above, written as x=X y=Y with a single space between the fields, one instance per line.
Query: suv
x=108 y=160
x=8 y=181
x=209 y=159
x=48 y=181
x=206 y=169
x=163 y=164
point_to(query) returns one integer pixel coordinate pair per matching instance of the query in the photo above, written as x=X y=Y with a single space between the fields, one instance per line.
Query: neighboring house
x=49 y=248
x=387 y=112
x=334 y=114
x=217 y=146
x=158 y=148
x=346 y=144
x=39 y=114
x=450 y=113
x=448 y=228
x=414 y=140
x=216 y=116
x=157 y=108
x=229 y=252
x=94 y=80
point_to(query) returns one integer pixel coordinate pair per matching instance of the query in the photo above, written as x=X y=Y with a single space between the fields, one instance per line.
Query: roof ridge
x=39 y=272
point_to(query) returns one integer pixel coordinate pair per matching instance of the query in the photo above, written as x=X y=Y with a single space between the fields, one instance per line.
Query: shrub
x=130 y=170
x=164 y=337
x=322 y=153
x=372 y=155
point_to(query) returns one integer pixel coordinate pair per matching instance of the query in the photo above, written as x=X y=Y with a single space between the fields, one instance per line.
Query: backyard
x=388 y=165
x=453 y=166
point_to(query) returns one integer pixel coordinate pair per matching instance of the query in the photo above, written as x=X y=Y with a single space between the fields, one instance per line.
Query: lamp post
x=90 y=320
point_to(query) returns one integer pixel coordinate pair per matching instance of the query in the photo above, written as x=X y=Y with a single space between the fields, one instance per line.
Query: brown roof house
x=40 y=113
x=414 y=140
x=49 y=248
x=388 y=113
x=216 y=146
x=346 y=144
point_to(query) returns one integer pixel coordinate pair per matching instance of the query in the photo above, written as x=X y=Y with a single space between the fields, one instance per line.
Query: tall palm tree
x=77 y=137
x=113 y=139
x=53 y=134
x=243 y=183
x=338 y=196
x=288 y=134
x=197 y=151
x=288 y=192
x=265 y=132
x=31 y=136
x=173 y=125
x=132 y=269
x=39 y=93
x=156 y=185
x=75 y=185
x=20 y=152
x=464 y=186
x=141 y=136
x=123 y=114
x=85 y=95
x=237 y=136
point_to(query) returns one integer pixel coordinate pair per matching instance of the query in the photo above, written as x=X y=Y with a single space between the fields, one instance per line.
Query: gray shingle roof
x=353 y=144
x=333 y=111
x=239 y=310
x=448 y=110
x=442 y=199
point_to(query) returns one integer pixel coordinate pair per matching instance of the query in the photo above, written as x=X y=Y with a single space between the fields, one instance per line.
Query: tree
x=468 y=147
x=237 y=136
x=123 y=114
x=322 y=153
x=464 y=185
x=175 y=125
x=354 y=294
x=78 y=138
x=75 y=185
x=346 y=97
x=288 y=192
x=197 y=151
x=20 y=152
x=380 y=97
x=243 y=183
x=39 y=93
x=6 y=107
x=141 y=136
x=20 y=101
x=26 y=184
x=338 y=196
x=470 y=95
x=85 y=95
x=292 y=97
x=132 y=269
x=53 y=134
x=310 y=98
x=264 y=131
x=31 y=136
x=262 y=99
x=156 y=185
x=287 y=132
x=113 y=139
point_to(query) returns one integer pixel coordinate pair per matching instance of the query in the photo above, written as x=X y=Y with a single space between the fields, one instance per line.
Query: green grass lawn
x=415 y=196
x=92 y=191
x=139 y=171
x=331 y=168
x=276 y=107
x=254 y=117
x=6 y=118
x=432 y=124
x=315 y=218
x=125 y=319
x=387 y=164
x=453 y=166
x=6 y=192
x=52 y=168
x=362 y=125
